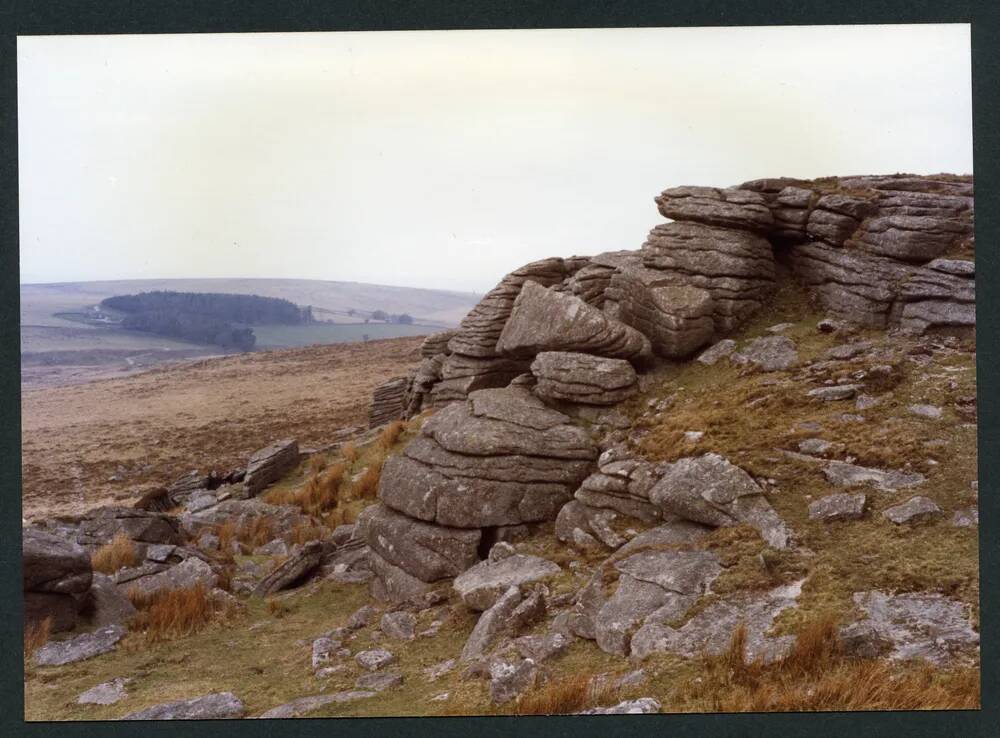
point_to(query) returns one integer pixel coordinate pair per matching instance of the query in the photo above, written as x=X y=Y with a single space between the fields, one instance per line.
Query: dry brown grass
x=36 y=635
x=251 y=533
x=816 y=676
x=317 y=464
x=366 y=486
x=305 y=532
x=111 y=557
x=318 y=495
x=350 y=452
x=390 y=434
x=568 y=695
x=172 y=613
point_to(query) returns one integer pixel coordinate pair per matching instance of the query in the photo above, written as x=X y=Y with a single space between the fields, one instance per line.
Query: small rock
x=500 y=551
x=966 y=518
x=482 y=585
x=400 y=625
x=323 y=649
x=840 y=506
x=836 y=392
x=717 y=351
x=304 y=705
x=107 y=693
x=828 y=326
x=379 y=682
x=866 y=402
x=780 y=327
x=915 y=510
x=375 y=659
x=769 y=354
x=328 y=671
x=440 y=697
x=814 y=446
x=361 y=617
x=926 y=411
x=508 y=681
x=433 y=673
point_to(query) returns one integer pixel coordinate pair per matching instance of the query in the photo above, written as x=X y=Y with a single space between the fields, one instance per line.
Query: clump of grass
x=304 y=532
x=317 y=464
x=278 y=608
x=113 y=556
x=317 y=496
x=36 y=635
x=568 y=695
x=350 y=452
x=366 y=486
x=168 y=614
x=389 y=435
x=253 y=532
x=817 y=676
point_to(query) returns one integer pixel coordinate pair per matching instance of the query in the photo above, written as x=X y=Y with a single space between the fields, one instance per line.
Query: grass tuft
x=173 y=613
x=571 y=694
x=113 y=556
x=36 y=635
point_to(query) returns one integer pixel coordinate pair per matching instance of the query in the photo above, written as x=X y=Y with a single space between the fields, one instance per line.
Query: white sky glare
x=445 y=159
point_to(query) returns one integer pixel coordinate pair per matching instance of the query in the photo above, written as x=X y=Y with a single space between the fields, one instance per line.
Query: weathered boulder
x=270 y=464
x=400 y=625
x=481 y=586
x=582 y=378
x=106 y=693
x=915 y=510
x=391 y=583
x=509 y=680
x=106 y=604
x=389 y=401
x=293 y=570
x=676 y=317
x=56 y=576
x=641 y=706
x=735 y=267
x=653 y=587
x=709 y=489
x=151 y=579
x=219 y=706
x=623 y=486
x=587 y=527
x=100 y=526
x=499 y=458
x=717 y=351
x=911 y=238
x=492 y=624
x=374 y=659
x=727 y=208
x=428 y=552
x=461 y=375
x=545 y=320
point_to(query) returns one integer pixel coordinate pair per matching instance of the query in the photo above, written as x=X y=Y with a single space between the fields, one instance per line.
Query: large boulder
x=389 y=401
x=581 y=378
x=56 y=577
x=545 y=320
x=499 y=458
x=677 y=318
x=102 y=525
x=621 y=485
x=428 y=552
x=735 y=267
x=270 y=464
x=710 y=490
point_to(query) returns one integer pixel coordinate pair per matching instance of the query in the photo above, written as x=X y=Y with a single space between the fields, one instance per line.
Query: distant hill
x=63 y=325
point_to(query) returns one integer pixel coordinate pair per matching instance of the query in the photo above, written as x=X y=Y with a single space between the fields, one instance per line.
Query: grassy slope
x=269 y=665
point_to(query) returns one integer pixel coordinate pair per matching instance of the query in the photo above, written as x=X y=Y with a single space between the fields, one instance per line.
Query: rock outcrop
x=56 y=578
x=270 y=464
x=581 y=378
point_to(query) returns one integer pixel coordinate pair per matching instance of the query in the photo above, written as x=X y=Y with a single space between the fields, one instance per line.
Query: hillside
x=732 y=470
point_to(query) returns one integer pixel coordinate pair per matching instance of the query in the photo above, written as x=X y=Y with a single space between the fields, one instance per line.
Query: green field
x=289 y=336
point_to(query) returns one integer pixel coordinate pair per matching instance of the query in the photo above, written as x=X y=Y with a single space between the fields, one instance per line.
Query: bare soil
x=108 y=440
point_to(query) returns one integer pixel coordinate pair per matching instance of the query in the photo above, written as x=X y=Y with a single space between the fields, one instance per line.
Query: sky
x=445 y=159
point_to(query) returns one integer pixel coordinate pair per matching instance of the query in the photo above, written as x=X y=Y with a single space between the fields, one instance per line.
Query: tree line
x=206 y=317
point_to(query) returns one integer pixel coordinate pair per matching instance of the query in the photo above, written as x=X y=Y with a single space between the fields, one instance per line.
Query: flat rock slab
x=768 y=354
x=82 y=647
x=482 y=585
x=305 y=705
x=920 y=625
x=184 y=575
x=107 y=693
x=848 y=475
x=581 y=378
x=218 y=706
x=840 y=506
x=711 y=630
x=835 y=392
x=914 y=510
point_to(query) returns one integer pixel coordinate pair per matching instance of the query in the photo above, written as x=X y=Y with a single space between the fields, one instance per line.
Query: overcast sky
x=445 y=159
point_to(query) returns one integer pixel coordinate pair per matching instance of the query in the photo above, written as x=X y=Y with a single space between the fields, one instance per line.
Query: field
x=98 y=442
